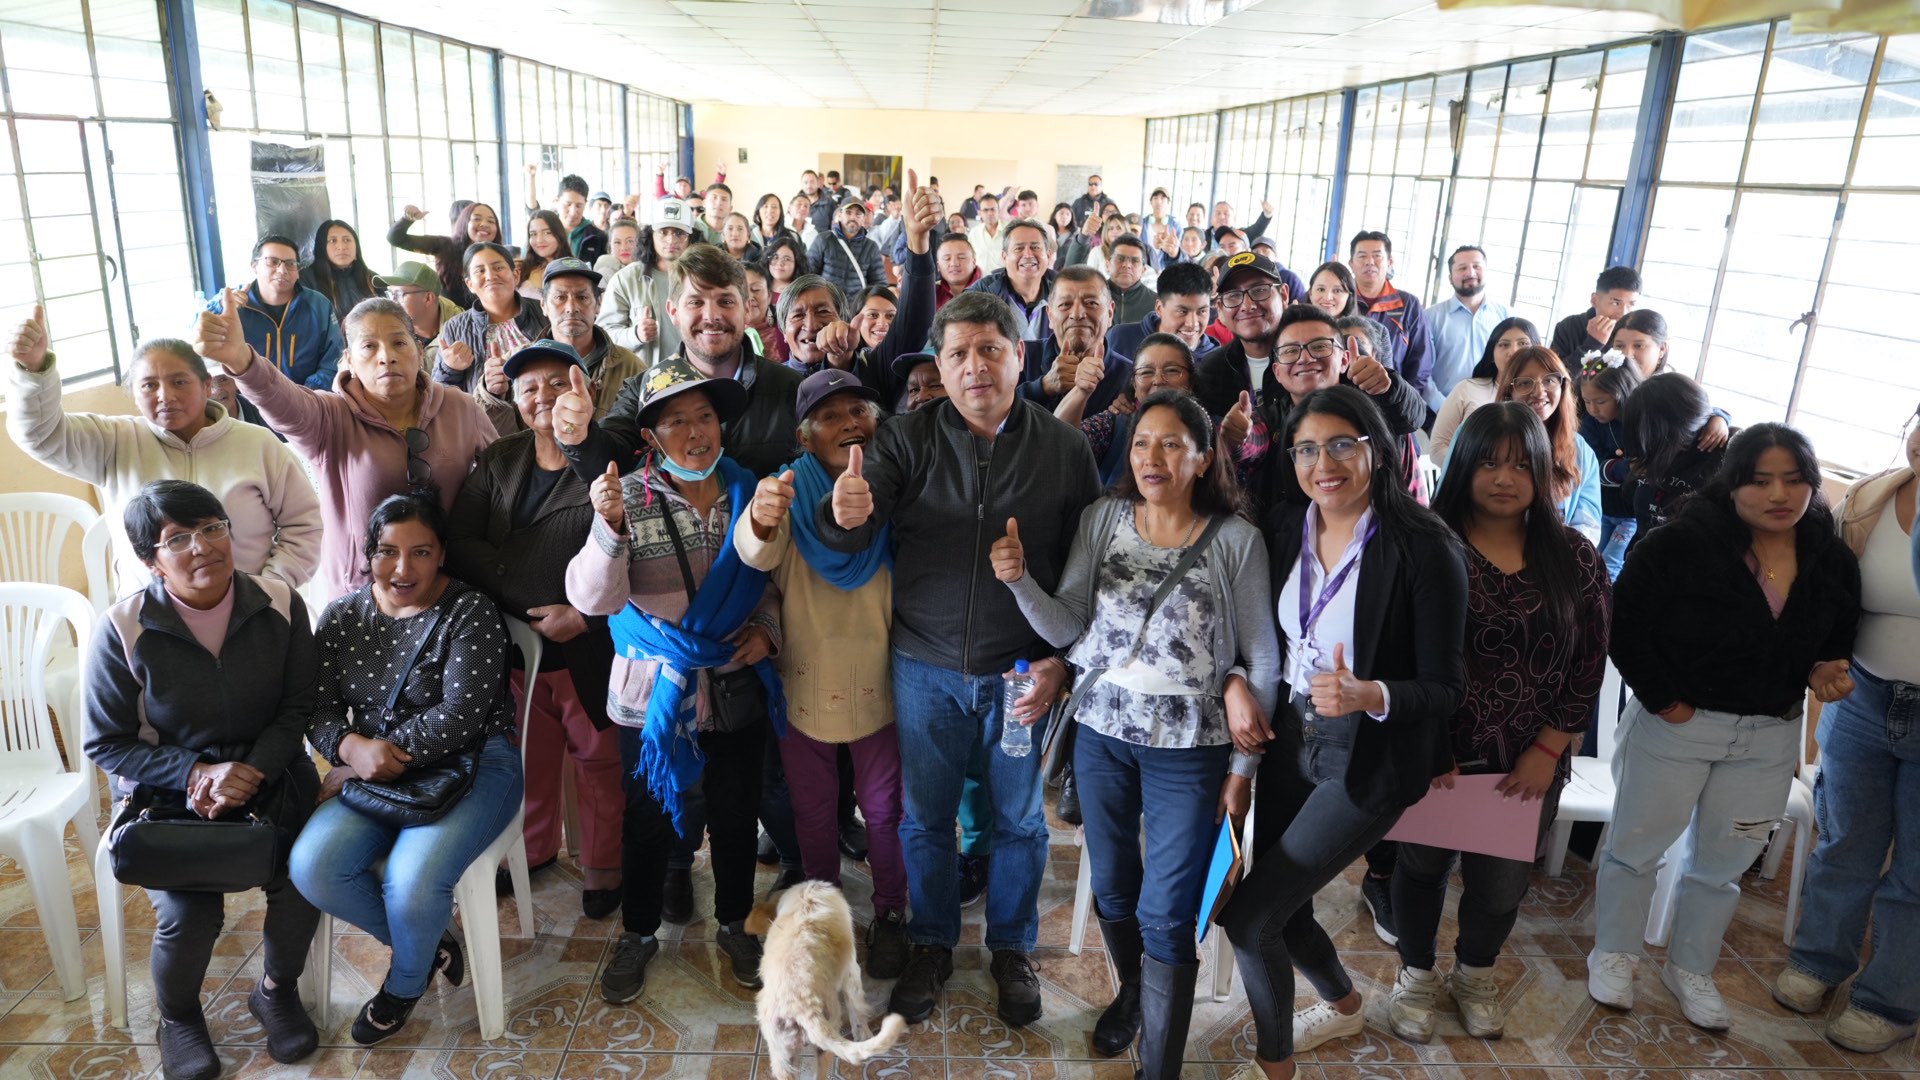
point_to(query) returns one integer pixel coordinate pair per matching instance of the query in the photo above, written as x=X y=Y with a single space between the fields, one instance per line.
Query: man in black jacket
x=946 y=480
x=708 y=306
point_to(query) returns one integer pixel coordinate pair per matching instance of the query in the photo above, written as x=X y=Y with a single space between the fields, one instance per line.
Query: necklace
x=1140 y=523
x=1770 y=573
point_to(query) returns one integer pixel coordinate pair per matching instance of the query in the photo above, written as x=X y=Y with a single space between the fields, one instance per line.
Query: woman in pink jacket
x=386 y=429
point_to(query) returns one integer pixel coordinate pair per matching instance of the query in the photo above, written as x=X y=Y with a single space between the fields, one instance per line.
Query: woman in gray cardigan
x=1166 y=690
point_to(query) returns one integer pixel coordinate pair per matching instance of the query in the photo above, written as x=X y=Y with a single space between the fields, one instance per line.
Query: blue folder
x=1223 y=873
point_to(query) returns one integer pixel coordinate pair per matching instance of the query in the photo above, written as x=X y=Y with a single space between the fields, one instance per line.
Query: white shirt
x=986 y=248
x=1335 y=624
x=1888 y=643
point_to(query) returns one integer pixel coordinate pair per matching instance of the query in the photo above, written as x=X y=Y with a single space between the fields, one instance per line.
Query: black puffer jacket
x=762 y=438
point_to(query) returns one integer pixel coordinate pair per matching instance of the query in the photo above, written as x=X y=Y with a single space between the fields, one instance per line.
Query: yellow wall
x=18 y=472
x=780 y=143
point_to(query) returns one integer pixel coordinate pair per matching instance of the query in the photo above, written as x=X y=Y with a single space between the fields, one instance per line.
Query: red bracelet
x=1554 y=754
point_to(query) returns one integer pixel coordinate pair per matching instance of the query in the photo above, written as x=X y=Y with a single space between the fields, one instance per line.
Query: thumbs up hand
x=1338 y=692
x=573 y=410
x=29 y=344
x=457 y=356
x=494 y=375
x=649 y=329
x=852 y=498
x=1238 y=422
x=1009 y=559
x=608 y=500
x=771 y=499
x=219 y=337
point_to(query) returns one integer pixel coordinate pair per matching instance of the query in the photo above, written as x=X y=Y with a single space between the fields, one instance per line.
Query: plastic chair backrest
x=96 y=552
x=531 y=645
x=31 y=618
x=1607 y=713
x=35 y=527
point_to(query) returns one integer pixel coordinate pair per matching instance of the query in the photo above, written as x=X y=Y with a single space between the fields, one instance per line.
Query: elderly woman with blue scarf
x=836 y=667
x=693 y=688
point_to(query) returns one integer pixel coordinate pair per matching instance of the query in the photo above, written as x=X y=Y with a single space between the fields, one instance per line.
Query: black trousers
x=731 y=787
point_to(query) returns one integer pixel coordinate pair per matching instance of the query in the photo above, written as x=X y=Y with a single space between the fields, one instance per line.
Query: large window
x=1180 y=158
x=92 y=219
x=1782 y=219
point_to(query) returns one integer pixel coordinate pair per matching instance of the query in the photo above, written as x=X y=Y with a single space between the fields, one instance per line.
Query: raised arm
x=296 y=412
x=1063 y=616
x=79 y=445
x=295 y=553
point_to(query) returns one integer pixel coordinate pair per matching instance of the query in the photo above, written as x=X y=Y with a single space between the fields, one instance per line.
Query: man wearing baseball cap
x=416 y=288
x=634 y=311
x=836 y=611
x=570 y=298
x=600 y=210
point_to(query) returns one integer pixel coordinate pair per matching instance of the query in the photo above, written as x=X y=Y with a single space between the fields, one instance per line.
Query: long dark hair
x=1644 y=321
x=562 y=249
x=779 y=216
x=1487 y=433
x=351 y=283
x=1486 y=368
x=1660 y=421
x=1340 y=271
x=463 y=225
x=1399 y=514
x=1217 y=491
x=801 y=267
x=1742 y=460
x=1563 y=427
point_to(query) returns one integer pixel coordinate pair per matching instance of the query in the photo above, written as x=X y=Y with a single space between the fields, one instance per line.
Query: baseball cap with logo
x=825 y=383
x=1249 y=262
x=571 y=266
x=673 y=214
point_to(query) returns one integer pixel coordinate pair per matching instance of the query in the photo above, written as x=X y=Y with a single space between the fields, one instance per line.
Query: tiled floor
x=693 y=1021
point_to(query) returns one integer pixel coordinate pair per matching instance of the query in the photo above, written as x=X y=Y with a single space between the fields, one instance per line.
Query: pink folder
x=1472 y=816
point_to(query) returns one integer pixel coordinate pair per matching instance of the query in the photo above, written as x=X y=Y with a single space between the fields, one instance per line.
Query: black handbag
x=422 y=795
x=157 y=842
x=738 y=698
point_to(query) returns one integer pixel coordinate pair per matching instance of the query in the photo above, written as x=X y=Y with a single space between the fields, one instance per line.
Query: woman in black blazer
x=1374 y=671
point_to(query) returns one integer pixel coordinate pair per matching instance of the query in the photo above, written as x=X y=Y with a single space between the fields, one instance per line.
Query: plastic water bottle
x=1016 y=738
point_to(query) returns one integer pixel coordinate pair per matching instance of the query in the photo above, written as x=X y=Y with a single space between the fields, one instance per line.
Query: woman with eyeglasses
x=1536 y=378
x=1371 y=593
x=387 y=430
x=1162 y=362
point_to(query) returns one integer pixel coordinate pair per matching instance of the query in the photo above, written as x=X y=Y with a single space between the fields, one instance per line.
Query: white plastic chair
x=35 y=528
x=474 y=893
x=1589 y=793
x=96 y=554
x=38 y=795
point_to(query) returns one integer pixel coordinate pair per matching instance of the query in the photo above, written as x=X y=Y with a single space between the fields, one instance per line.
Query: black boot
x=1119 y=1025
x=1069 y=807
x=1166 y=1011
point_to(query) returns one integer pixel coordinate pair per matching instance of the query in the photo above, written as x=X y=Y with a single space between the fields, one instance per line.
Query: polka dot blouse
x=455 y=694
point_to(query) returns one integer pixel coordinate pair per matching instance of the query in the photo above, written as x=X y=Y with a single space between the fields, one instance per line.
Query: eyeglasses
x=1259 y=294
x=1306 y=455
x=419 y=473
x=274 y=266
x=1171 y=371
x=178 y=543
x=1527 y=384
x=1319 y=348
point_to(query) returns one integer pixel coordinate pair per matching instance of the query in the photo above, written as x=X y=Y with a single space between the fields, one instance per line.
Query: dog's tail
x=857 y=1053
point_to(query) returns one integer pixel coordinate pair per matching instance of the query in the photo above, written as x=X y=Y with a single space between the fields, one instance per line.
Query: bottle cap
x=1019 y=667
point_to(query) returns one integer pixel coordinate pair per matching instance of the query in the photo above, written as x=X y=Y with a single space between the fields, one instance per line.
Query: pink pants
x=813 y=780
x=560 y=729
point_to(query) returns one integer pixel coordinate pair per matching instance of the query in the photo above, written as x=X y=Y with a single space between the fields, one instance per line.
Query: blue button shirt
x=1457 y=338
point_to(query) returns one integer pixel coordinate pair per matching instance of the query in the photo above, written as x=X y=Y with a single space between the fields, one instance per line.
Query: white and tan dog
x=810 y=980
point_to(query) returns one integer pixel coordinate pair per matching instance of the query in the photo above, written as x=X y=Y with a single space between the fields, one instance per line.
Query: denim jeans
x=944 y=717
x=1174 y=793
x=1731 y=774
x=1867 y=799
x=1615 y=534
x=730 y=784
x=408 y=904
x=1307 y=830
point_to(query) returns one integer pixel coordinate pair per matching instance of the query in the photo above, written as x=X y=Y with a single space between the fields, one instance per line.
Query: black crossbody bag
x=421 y=796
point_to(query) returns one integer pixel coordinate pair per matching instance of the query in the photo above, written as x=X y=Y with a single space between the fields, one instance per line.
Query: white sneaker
x=1321 y=1022
x=1610 y=977
x=1864 y=1032
x=1799 y=991
x=1477 y=997
x=1700 y=999
x=1414 y=1001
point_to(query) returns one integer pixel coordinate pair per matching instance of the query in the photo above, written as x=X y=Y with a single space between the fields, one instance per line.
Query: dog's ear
x=760 y=919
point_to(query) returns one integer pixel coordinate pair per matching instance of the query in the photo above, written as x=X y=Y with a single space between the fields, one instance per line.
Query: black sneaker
x=1019 y=987
x=853 y=840
x=600 y=903
x=766 y=852
x=290 y=1032
x=744 y=950
x=676 y=900
x=627 y=972
x=1069 y=806
x=919 y=986
x=382 y=1017
x=973 y=879
x=789 y=877
x=1378 y=898
x=186 y=1050
x=887 y=944
x=449 y=961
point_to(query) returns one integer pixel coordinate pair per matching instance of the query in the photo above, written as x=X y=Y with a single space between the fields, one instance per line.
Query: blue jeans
x=408 y=904
x=1175 y=792
x=944 y=716
x=1615 y=534
x=1867 y=799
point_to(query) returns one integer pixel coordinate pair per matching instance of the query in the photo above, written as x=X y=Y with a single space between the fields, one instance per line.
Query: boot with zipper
x=1119 y=1025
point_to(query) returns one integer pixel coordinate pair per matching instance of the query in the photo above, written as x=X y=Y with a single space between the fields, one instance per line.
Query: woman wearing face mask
x=501 y=322
x=1867 y=754
x=1168 y=689
x=1724 y=618
x=689 y=620
x=413 y=671
x=475 y=223
x=1371 y=591
x=339 y=269
x=1505 y=339
x=1162 y=362
x=386 y=429
x=180 y=432
x=546 y=241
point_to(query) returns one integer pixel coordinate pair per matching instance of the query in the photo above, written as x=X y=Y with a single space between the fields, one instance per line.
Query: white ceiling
x=1001 y=55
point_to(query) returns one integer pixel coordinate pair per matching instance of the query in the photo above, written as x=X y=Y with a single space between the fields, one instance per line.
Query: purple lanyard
x=1333 y=584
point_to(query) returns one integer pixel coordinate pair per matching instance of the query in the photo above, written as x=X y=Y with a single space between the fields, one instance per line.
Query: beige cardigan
x=836 y=660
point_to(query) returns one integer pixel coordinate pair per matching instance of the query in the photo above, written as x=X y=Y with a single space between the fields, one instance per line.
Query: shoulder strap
x=679 y=548
x=433 y=623
x=857 y=268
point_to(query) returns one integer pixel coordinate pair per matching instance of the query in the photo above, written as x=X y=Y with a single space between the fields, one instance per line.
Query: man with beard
x=1024 y=279
x=1082 y=313
x=570 y=296
x=1182 y=307
x=1397 y=311
x=847 y=256
x=1457 y=327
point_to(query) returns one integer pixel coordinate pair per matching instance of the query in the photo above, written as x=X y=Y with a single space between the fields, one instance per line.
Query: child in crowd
x=1605 y=380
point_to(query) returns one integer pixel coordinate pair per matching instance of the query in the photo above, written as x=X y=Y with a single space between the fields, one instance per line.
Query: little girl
x=1605 y=380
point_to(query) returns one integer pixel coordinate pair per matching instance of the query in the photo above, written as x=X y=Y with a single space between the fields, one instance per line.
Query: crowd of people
x=815 y=508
